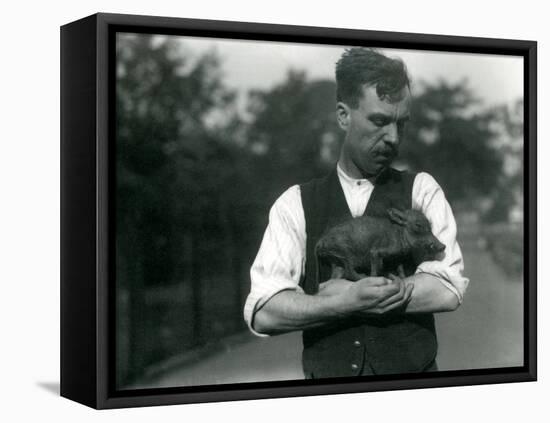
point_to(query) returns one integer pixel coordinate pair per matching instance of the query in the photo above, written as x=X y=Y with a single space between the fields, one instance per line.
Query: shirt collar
x=348 y=180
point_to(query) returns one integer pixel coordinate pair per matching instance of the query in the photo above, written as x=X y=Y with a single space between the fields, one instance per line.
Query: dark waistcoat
x=393 y=343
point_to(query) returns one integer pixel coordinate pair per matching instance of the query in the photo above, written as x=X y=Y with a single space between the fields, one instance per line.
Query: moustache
x=386 y=151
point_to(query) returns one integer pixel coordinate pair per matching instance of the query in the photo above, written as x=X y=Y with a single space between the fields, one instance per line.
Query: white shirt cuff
x=452 y=280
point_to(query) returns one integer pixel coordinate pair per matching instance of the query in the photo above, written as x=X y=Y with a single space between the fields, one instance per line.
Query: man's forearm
x=430 y=295
x=289 y=311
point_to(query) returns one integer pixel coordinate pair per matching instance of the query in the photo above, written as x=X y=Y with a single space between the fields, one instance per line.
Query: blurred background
x=210 y=132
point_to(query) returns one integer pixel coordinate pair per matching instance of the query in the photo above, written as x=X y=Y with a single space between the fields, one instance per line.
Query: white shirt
x=280 y=261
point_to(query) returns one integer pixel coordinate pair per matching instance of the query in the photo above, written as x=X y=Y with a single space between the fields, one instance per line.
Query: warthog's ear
x=397 y=216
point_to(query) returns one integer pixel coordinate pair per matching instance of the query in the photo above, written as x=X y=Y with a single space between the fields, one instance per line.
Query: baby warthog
x=378 y=246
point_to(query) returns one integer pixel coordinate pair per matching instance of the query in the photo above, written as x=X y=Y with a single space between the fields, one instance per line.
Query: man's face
x=374 y=131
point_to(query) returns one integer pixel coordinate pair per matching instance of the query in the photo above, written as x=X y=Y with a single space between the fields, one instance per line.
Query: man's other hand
x=370 y=295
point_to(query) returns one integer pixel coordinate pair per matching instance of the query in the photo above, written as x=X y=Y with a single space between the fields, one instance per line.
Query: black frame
x=87 y=234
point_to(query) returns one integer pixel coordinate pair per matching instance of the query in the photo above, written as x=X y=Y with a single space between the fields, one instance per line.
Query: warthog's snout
x=437 y=246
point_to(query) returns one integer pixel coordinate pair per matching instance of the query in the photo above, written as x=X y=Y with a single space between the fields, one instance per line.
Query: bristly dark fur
x=377 y=246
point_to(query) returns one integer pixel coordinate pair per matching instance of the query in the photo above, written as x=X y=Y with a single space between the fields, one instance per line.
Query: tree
x=451 y=137
x=291 y=124
x=168 y=169
x=507 y=198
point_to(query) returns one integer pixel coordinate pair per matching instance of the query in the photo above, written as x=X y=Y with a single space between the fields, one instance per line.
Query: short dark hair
x=359 y=66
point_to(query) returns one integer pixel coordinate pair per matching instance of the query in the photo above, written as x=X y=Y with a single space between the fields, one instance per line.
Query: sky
x=246 y=65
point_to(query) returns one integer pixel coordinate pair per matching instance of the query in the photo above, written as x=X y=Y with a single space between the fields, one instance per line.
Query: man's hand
x=397 y=301
x=371 y=295
x=337 y=298
x=334 y=286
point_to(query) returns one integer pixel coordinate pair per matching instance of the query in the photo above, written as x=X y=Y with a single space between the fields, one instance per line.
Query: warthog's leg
x=401 y=271
x=377 y=257
x=376 y=262
x=350 y=273
x=337 y=272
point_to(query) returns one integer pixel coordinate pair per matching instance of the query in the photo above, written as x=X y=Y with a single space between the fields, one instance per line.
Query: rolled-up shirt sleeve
x=280 y=261
x=430 y=199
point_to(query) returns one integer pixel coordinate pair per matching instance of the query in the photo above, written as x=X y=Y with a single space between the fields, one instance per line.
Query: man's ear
x=342 y=115
x=397 y=216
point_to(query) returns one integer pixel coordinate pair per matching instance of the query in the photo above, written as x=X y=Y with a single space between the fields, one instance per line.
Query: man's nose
x=392 y=135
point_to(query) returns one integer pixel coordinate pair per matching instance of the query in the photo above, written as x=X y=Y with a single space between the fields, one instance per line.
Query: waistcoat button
x=357 y=343
x=354 y=366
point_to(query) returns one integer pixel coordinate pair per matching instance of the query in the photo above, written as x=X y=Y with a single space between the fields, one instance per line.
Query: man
x=374 y=325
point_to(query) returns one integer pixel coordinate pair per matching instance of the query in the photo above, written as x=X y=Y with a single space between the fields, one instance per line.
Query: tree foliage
x=290 y=122
x=167 y=157
x=450 y=138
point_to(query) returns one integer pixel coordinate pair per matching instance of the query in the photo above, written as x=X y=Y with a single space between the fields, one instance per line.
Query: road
x=486 y=331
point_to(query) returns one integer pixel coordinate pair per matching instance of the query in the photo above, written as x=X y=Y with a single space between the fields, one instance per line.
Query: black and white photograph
x=275 y=211
x=291 y=211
